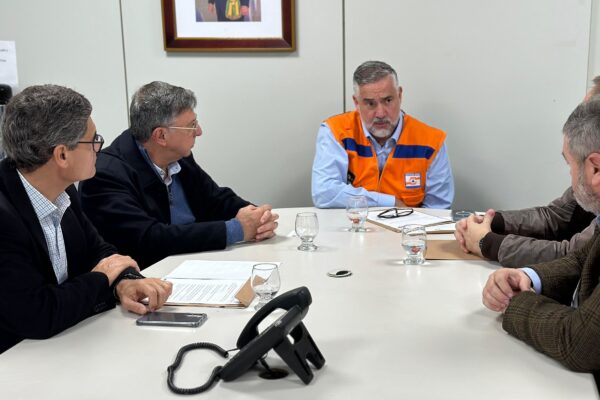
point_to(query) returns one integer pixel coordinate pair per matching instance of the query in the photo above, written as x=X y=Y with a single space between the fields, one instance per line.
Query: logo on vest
x=412 y=180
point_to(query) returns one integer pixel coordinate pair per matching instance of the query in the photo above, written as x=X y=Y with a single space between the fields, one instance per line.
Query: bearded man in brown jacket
x=532 y=235
x=555 y=306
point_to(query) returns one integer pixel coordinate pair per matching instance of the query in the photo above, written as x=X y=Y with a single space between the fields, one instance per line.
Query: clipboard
x=447 y=250
x=392 y=224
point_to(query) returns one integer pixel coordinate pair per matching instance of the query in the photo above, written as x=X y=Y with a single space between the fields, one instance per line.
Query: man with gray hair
x=531 y=235
x=380 y=152
x=555 y=306
x=149 y=196
x=55 y=270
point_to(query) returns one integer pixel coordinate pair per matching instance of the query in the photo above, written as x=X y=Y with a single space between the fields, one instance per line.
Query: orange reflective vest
x=405 y=171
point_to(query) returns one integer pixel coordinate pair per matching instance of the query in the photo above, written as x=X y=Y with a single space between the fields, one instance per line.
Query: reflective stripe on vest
x=405 y=171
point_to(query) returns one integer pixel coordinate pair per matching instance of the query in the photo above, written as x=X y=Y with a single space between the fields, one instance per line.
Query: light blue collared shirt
x=537 y=282
x=50 y=215
x=330 y=171
x=181 y=213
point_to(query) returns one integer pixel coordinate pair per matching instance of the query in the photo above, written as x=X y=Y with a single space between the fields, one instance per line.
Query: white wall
x=594 y=64
x=75 y=43
x=259 y=111
x=500 y=77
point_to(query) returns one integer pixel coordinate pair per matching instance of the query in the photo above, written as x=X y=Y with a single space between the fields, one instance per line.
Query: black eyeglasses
x=97 y=143
x=395 y=213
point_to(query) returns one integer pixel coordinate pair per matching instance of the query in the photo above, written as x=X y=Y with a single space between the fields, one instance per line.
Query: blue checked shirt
x=50 y=214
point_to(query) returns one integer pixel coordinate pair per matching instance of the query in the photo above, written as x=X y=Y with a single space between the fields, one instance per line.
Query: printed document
x=419 y=218
x=203 y=282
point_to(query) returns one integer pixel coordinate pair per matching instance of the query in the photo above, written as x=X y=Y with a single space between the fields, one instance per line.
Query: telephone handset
x=297 y=297
x=254 y=345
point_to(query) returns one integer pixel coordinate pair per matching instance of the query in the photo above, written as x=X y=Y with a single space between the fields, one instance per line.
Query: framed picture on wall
x=228 y=25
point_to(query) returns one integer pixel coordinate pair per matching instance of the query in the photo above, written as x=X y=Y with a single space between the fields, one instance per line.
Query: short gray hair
x=372 y=71
x=595 y=90
x=582 y=129
x=40 y=118
x=157 y=104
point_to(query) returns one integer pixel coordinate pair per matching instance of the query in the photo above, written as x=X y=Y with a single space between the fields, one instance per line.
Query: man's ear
x=158 y=135
x=593 y=162
x=60 y=155
x=355 y=100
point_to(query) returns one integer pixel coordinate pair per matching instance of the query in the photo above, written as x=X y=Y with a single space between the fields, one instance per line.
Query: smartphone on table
x=163 y=318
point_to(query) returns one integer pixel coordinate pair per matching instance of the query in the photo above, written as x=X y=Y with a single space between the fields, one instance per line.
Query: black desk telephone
x=254 y=345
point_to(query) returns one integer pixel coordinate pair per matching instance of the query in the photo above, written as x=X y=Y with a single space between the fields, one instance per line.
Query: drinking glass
x=307 y=227
x=265 y=282
x=414 y=243
x=357 y=209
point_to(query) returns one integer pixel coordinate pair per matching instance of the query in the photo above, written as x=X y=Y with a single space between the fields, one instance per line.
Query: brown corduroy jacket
x=549 y=323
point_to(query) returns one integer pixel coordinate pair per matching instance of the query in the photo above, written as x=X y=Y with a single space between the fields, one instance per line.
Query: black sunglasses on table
x=395 y=213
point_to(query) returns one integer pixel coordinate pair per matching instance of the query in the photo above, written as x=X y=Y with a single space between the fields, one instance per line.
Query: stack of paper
x=432 y=223
x=212 y=283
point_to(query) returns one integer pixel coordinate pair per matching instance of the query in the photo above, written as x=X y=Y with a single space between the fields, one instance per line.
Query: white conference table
x=389 y=331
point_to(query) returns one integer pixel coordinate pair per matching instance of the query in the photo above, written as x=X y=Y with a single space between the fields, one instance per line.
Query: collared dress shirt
x=330 y=170
x=181 y=213
x=536 y=282
x=50 y=215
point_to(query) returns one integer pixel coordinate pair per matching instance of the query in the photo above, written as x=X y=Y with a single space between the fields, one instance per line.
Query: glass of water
x=265 y=282
x=307 y=227
x=414 y=243
x=357 y=209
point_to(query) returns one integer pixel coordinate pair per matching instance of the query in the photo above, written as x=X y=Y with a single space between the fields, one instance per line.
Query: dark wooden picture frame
x=172 y=42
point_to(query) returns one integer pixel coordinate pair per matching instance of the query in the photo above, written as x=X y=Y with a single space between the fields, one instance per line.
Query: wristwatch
x=127 y=273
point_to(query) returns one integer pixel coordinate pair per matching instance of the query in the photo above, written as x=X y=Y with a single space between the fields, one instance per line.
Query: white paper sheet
x=416 y=217
x=205 y=291
x=451 y=226
x=205 y=269
x=209 y=282
x=8 y=64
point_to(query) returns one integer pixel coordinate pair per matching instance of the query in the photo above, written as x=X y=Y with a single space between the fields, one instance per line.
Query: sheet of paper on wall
x=8 y=64
x=417 y=217
x=212 y=283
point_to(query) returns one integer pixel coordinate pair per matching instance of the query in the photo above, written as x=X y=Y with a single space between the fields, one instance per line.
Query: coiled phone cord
x=214 y=376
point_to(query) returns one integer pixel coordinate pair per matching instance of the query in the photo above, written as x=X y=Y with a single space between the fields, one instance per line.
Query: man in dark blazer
x=149 y=196
x=555 y=306
x=55 y=270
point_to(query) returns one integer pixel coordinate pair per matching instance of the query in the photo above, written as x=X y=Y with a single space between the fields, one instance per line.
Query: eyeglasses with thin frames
x=97 y=143
x=194 y=126
x=391 y=213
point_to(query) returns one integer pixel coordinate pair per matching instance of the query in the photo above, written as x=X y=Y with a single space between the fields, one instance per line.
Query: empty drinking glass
x=307 y=227
x=265 y=282
x=357 y=209
x=414 y=243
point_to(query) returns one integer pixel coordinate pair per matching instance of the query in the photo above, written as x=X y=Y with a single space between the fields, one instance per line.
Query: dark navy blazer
x=129 y=205
x=32 y=304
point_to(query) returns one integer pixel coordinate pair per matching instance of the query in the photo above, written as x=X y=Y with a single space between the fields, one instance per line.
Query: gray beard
x=585 y=198
x=381 y=134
